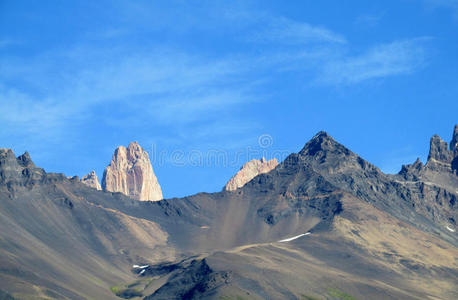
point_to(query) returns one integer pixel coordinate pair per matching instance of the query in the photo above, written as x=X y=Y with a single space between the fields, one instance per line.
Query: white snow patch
x=140 y=267
x=143 y=271
x=450 y=229
x=293 y=238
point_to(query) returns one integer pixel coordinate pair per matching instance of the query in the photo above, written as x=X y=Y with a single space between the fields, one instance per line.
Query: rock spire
x=130 y=172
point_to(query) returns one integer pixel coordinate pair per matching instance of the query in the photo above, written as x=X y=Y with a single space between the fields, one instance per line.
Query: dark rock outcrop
x=191 y=280
x=442 y=161
x=439 y=157
x=454 y=141
x=412 y=172
x=438 y=150
x=454 y=150
x=20 y=170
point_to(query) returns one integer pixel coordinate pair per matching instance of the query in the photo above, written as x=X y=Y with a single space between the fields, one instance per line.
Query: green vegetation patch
x=116 y=289
x=126 y=292
x=131 y=290
x=338 y=294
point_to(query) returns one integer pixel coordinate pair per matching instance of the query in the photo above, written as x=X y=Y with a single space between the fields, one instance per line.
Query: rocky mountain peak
x=322 y=137
x=438 y=150
x=454 y=150
x=417 y=163
x=250 y=170
x=92 y=180
x=412 y=172
x=18 y=170
x=321 y=143
x=441 y=157
x=130 y=172
x=25 y=160
x=454 y=141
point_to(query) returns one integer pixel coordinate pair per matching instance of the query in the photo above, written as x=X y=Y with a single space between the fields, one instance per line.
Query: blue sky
x=204 y=86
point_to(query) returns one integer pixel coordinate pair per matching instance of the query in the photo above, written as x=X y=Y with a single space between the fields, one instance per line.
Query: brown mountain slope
x=373 y=235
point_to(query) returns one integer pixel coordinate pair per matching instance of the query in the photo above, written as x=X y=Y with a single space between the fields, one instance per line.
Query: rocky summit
x=21 y=171
x=250 y=170
x=92 y=180
x=130 y=172
x=442 y=159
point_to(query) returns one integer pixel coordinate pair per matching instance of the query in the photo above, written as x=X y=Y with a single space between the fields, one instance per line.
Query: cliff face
x=92 y=180
x=250 y=170
x=130 y=172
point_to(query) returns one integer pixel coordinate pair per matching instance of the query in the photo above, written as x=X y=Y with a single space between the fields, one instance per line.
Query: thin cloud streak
x=396 y=58
x=289 y=32
x=176 y=88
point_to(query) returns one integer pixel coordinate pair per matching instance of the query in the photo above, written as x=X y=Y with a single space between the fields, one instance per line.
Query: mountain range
x=322 y=224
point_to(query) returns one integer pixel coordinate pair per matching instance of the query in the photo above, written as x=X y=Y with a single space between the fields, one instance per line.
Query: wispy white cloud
x=60 y=91
x=23 y=113
x=166 y=87
x=287 y=31
x=396 y=58
x=196 y=107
